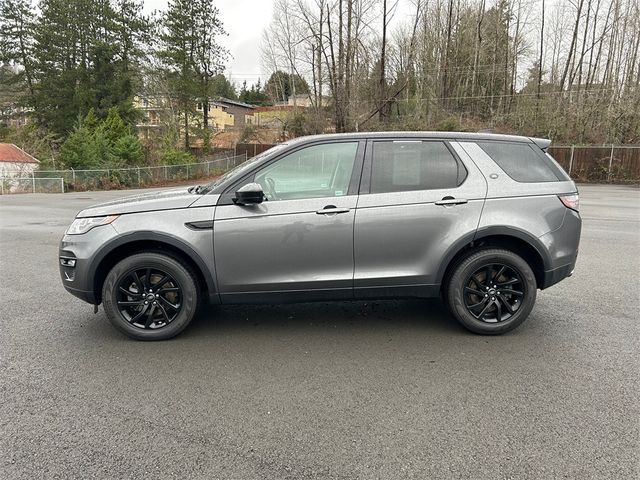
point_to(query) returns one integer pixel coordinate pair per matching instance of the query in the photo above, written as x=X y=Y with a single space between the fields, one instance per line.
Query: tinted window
x=413 y=165
x=521 y=162
x=311 y=172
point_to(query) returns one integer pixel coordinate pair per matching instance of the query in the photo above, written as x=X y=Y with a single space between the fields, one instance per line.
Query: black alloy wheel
x=491 y=290
x=494 y=292
x=151 y=295
x=149 y=298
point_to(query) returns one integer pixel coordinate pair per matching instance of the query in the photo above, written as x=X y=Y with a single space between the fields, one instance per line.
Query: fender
x=147 y=235
x=523 y=235
x=490 y=231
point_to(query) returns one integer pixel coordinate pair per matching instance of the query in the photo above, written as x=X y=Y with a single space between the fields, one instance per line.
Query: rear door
x=298 y=243
x=418 y=198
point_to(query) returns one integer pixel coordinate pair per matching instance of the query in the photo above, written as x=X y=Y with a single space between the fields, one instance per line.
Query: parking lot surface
x=392 y=389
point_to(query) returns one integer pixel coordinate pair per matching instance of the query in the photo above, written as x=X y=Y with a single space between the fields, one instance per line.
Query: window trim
x=226 y=197
x=367 y=170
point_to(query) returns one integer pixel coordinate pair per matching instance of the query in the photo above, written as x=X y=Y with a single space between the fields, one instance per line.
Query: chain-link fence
x=31 y=185
x=60 y=181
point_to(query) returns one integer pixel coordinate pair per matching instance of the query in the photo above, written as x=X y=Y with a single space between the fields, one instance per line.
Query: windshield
x=240 y=169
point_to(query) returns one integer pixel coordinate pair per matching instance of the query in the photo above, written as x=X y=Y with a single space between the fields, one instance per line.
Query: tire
x=159 y=312
x=485 y=310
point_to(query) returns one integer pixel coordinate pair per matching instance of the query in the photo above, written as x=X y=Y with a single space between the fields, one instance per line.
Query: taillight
x=571 y=201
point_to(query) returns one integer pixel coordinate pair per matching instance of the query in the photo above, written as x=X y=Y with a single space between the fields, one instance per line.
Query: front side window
x=311 y=172
x=401 y=166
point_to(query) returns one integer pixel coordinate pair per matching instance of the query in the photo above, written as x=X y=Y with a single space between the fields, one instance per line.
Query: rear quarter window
x=522 y=163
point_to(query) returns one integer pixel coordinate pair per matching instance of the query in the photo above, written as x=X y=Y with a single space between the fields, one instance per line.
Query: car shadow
x=424 y=316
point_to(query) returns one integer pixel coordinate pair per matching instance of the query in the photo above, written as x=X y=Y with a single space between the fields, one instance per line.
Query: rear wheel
x=150 y=296
x=491 y=291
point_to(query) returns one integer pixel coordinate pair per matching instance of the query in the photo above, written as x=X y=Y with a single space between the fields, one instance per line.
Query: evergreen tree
x=16 y=39
x=254 y=95
x=107 y=144
x=85 y=52
x=190 y=55
x=222 y=87
x=113 y=127
x=210 y=56
x=177 y=54
x=281 y=85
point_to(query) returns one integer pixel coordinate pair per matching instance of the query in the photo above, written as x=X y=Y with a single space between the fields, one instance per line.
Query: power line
x=473 y=97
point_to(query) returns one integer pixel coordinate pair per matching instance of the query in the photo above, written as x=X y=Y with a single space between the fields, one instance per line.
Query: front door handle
x=332 y=210
x=452 y=201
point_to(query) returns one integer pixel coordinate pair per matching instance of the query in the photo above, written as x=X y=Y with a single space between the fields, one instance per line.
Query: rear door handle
x=452 y=201
x=332 y=210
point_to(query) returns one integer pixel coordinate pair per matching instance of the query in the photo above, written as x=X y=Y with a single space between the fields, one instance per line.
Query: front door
x=298 y=243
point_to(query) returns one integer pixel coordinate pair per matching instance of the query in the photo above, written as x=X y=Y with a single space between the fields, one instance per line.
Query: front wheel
x=491 y=291
x=150 y=296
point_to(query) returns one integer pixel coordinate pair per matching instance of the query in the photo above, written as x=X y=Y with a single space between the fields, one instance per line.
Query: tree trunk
x=382 y=113
x=186 y=125
x=540 y=58
x=572 y=47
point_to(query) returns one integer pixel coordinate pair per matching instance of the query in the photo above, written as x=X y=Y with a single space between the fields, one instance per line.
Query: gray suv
x=482 y=220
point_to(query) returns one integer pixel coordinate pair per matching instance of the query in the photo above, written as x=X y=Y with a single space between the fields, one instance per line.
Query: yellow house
x=219 y=118
x=154 y=109
x=159 y=111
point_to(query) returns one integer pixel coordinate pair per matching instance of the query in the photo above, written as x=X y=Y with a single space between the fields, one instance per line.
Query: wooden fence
x=600 y=164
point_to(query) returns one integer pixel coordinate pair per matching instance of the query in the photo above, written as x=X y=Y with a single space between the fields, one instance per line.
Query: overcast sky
x=244 y=21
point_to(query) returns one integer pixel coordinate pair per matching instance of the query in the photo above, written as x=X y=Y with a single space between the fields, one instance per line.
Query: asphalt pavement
x=363 y=390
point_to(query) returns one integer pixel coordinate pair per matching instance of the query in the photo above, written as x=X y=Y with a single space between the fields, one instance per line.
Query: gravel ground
x=392 y=389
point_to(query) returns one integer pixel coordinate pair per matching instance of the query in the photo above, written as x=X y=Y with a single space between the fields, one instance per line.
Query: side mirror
x=249 y=194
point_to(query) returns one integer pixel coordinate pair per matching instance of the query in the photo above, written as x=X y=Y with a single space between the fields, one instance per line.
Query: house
x=158 y=111
x=15 y=162
x=305 y=100
x=14 y=116
x=219 y=116
x=155 y=109
x=242 y=112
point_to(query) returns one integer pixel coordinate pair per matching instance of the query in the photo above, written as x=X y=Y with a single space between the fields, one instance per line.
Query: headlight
x=83 y=225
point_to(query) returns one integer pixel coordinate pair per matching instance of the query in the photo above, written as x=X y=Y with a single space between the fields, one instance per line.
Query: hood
x=145 y=202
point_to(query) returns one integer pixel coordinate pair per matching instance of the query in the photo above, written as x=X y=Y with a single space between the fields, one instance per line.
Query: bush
x=83 y=150
x=128 y=150
x=450 y=124
x=173 y=156
x=107 y=144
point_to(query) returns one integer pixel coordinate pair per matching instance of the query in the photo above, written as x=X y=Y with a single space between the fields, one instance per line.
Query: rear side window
x=522 y=163
x=402 y=166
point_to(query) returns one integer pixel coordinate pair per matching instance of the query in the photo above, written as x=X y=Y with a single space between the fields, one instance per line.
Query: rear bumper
x=562 y=245
x=551 y=277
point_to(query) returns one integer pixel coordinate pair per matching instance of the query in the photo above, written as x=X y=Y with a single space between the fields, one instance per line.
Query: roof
x=541 y=142
x=235 y=102
x=12 y=154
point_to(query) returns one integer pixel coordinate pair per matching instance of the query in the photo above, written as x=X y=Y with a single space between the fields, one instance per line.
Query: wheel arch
x=515 y=240
x=126 y=245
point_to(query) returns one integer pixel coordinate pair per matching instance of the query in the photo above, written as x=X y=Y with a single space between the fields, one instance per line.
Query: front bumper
x=78 y=279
